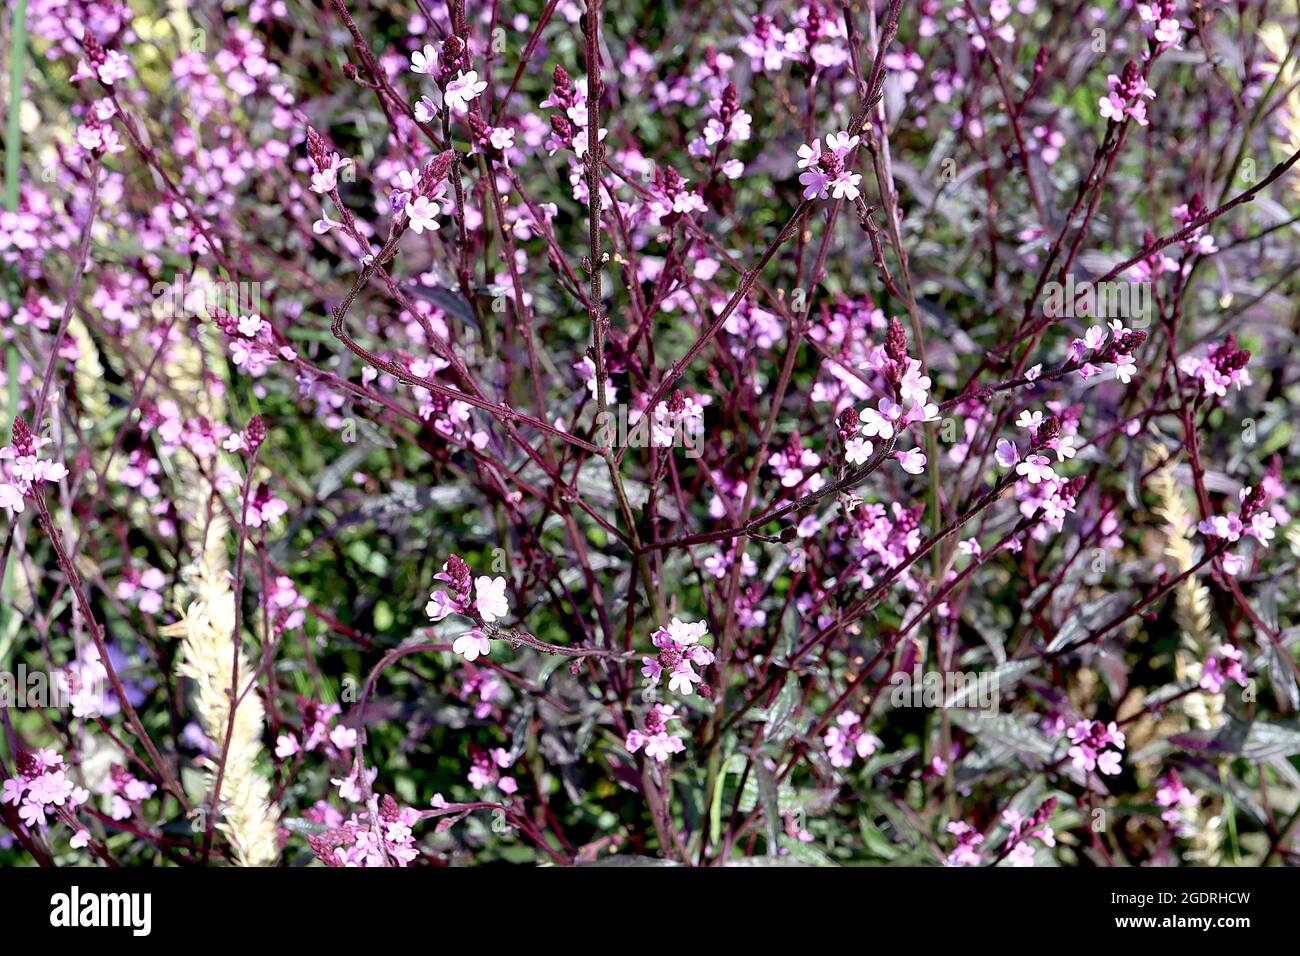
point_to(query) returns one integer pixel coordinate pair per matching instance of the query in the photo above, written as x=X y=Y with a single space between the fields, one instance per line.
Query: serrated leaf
x=1092 y=614
x=1004 y=675
x=786 y=701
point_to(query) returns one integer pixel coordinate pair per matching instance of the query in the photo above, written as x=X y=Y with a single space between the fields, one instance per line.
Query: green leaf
x=733 y=764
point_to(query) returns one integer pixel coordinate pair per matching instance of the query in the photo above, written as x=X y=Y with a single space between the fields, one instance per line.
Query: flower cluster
x=658 y=742
x=319 y=730
x=1222 y=666
x=459 y=88
x=908 y=403
x=1160 y=20
x=483 y=599
x=1253 y=520
x=42 y=788
x=1115 y=345
x=848 y=737
x=1019 y=851
x=1175 y=799
x=1223 y=366
x=680 y=651
x=969 y=840
x=125 y=792
x=825 y=172
x=1126 y=96
x=253 y=343
x=326 y=164
x=386 y=840
x=21 y=471
x=485 y=770
x=569 y=126
x=1096 y=746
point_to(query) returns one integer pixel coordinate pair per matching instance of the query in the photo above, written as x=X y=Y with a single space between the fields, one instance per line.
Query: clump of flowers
x=1126 y=96
x=384 y=840
x=1222 y=666
x=655 y=737
x=1018 y=848
x=482 y=599
x=42 y=789
x=22 y=470
x=1222 y=367
x=847 y=738
x=680 y=652
x=824 y=171
x=485 y=770
x=1096 y=746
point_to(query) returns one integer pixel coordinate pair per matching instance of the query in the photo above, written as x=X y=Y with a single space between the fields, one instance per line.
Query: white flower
x=463 y=90
x=11 y=499
x=490 y=597
x=1035 y=468
x=1029 y=420
x=425 y=110
x=912 y=462
x=683 y=679
x=873 y=424
x=474 y=644
x=326 y=178
x=423 y=214
x=425 y=61
x=1007 y=454
x=845 y=185
x=841 y=142
x=857 y=451
x=810 y=154
x=684 y=632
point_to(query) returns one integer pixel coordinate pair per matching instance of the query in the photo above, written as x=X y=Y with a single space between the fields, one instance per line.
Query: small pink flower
x=911 y=461
x=1035 y=468
x=462 y=91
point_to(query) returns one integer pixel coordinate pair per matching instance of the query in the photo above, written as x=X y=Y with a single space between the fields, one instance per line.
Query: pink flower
x=1035 y=468
x=815 y=184
x=440 y=605
x=463 y=90
x=847 y=738
x=422 y=214
x=912 y=461
x=659 y=744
